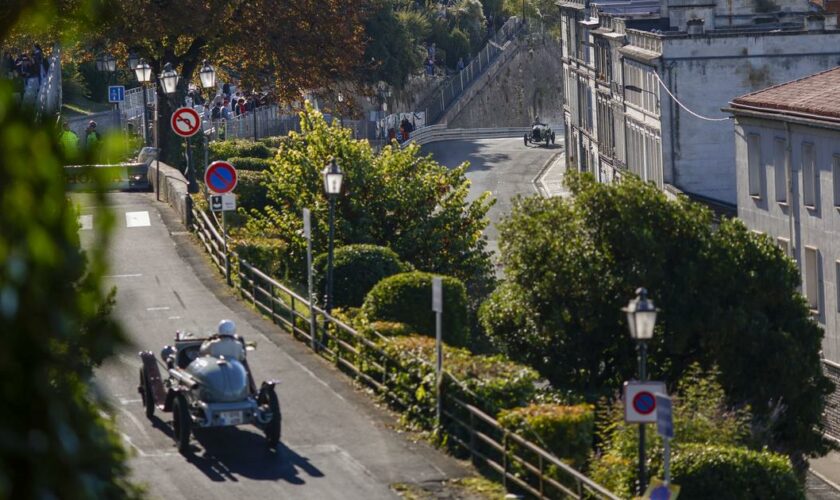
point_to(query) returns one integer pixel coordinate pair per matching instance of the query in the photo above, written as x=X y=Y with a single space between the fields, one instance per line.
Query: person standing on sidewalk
x=69 y=140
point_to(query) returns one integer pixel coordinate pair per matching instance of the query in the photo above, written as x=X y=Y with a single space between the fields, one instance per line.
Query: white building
x=787 y=146
x=619 y=58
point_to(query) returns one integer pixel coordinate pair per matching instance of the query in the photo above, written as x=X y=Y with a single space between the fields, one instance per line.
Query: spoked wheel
x=268 y=397
x=547 y=139
x=145 y=390
x=181 y=424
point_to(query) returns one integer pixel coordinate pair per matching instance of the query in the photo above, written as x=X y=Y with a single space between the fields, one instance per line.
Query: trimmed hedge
x=733 y=473
x=566 y=431
x=407 y=298
x=498 y=382
x=391 y=328
x=356 y=269
x=252 y=164
x=251 y=191
x=224 y=150
x=274 y=141
x=266 y=254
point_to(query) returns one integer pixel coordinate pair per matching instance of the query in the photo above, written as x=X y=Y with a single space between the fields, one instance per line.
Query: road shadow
x=228 y=453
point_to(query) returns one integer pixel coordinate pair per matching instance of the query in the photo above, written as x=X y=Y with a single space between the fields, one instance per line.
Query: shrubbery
x=225 y=150
x=266 y=254
x=247 y=163
x=407 y=298
x=565 y=431
x=356 y=269
x=497 y=382
x=251 y=192
x=391 y=328
x=274 y=141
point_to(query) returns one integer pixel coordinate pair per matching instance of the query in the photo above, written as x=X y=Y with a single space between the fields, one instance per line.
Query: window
x=780 y=169
x=809 y=175
x=754 y=164
x=643 y=88
x=835 y=179
x=784 y=244
x=603 y=60
x=812 y=284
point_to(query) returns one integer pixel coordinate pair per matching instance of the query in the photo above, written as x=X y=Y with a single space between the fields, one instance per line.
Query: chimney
x=694 y=26
x=814 y=22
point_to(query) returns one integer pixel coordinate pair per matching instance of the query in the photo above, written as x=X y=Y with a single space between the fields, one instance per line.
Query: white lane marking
x=142 y=428
x=137 y=219
x=162 y=308
x=123 y=276
x=86 y=221
x=174 y=317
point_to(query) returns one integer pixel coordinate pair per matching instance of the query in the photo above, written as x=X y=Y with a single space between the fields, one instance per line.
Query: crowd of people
x=28 y=70
x=227 y=103
x=70 y=140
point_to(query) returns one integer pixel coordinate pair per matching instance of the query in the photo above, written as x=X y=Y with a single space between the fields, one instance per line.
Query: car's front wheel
x=145 y=390
x=182 y=423
x=526 y=139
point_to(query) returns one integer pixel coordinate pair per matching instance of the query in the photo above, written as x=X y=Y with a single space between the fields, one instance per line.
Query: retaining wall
x=172 y=186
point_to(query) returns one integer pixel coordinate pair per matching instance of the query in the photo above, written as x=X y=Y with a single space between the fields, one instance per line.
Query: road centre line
x=123 y=276
x=161 y=308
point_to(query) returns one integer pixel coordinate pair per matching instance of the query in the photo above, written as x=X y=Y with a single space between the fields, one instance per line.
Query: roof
x=817 y=94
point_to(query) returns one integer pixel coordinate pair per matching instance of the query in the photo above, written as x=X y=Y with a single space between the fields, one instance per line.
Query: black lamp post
x=144 y=76
x=332 y=187
x=169 y=81
x=106 y=63
x=207 y=75
x=641 y=318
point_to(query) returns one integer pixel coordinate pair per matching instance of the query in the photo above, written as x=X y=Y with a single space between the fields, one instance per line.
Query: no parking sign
x=640 y=401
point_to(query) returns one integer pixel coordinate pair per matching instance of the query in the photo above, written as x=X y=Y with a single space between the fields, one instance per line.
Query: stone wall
x=524 y=83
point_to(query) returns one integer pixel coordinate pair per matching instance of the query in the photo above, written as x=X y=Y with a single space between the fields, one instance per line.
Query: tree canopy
x=727 y=298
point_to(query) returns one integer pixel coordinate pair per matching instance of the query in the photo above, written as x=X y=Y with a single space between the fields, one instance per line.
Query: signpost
x=640 y=401
x=665 y=428
x=116 y=93
x=307 y=232
x=661 y=491
x=186 y=122
x=220 y=178
x=223 y=202
x=437 y=307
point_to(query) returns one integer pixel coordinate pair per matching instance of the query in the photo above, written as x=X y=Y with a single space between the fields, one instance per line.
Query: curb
x=537 y=181
x=831 y=484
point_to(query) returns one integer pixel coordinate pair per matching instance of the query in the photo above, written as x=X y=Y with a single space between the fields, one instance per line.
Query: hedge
x=224 y=150
x=356 y=269
x=266 y=254
x=274 y=141
x=497 y=382
x=407 y=298
x=250 y=190
x=733 y=473
x=391 y=328
x=565 y=431
x=246 y=163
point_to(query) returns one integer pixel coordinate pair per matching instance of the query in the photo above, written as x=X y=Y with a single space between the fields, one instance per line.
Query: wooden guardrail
x=522 y=465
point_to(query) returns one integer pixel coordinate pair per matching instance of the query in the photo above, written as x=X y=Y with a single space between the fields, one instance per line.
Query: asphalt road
x=505 y=167
x=336 y=443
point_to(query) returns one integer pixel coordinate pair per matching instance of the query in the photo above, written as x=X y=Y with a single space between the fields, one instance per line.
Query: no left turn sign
x=185 y=122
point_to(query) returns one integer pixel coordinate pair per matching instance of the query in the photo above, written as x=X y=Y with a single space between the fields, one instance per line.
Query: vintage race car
x=540 y=132
x=208 y=384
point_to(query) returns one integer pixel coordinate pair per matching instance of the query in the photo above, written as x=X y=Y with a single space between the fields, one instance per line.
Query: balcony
x=644 y=40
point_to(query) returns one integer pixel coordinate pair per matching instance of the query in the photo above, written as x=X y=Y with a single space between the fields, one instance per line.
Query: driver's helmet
x=227 y=327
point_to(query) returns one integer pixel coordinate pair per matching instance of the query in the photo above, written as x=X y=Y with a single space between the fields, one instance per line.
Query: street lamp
x=332 y=187
x=207 y=75
x=169 y=79
x=340 y=118
x=641 y=319
x=133 y=60
x=105 y=62
x=144 y=76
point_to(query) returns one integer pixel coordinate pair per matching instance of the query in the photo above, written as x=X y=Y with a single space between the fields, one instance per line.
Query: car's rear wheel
x=145 y=390
x=547 y=139
x=272 y=429
x=181 y=424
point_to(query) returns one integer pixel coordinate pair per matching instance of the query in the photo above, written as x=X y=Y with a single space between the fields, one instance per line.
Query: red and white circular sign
x=220 y=177
x=185 y=122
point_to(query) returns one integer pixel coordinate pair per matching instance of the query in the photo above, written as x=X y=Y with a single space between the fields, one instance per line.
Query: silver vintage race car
x=209 y=384
x=540 y=132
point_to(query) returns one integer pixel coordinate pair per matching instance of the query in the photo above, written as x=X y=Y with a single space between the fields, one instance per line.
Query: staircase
x=436 y=105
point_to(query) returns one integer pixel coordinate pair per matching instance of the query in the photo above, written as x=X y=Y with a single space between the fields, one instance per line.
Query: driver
x=224 y=343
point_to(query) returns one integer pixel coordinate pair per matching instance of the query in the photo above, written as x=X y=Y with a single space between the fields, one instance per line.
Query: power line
x=683 y=105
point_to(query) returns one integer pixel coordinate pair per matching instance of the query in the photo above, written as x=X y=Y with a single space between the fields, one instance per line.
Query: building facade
x=787 y=156
x=621 y=60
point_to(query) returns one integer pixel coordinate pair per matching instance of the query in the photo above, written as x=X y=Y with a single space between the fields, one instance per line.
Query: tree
x=392 y=52
x=727 y=298
x=396 y=199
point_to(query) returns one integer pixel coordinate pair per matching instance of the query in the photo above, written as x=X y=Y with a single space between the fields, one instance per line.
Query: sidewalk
x=827 y=469
x=549 y=182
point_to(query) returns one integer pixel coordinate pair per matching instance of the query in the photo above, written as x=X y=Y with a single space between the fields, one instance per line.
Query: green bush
x=731 y=473
x=391 y=328
x=266 y=254
x=225 y=150
x=356 y=269
x=274 y=141
x=407 y=298
x=563 y=430
x=251 y=164
x=251 y=192
x=497 y=382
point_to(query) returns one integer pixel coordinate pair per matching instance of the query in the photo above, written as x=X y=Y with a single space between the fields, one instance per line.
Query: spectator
x=460 y=63
x=8 y=66
x=226 y=89
x=216 y=112
x=92 y=137
x=406 y=128
x=69 y=140
x=38 y=63
x=241 y=107
x=226 y=113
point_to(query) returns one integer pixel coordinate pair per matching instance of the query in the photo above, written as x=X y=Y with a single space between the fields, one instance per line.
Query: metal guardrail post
x=473 y=457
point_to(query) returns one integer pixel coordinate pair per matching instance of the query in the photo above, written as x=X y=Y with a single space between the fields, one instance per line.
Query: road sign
x=437 y=294
x=660 y=491
x=664 y=416
x=220 y=177
x=223 y=202
x=185 y=122
x=640 y=401
x=116 y=93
